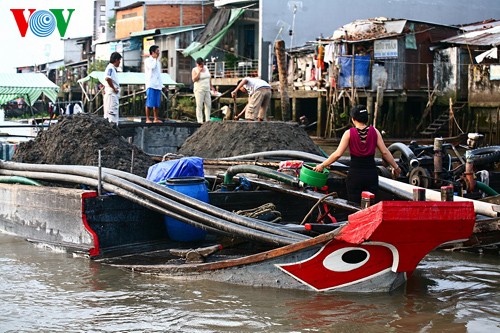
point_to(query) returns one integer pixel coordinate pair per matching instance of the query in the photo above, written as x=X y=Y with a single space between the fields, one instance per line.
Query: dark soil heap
x=77 y=140
x=231 y=138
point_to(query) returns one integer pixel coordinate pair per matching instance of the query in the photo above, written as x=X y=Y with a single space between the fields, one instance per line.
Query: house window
x=183 y=63
x=129 y=15
x=103 y=8
x=164 y=61
x=117 y=3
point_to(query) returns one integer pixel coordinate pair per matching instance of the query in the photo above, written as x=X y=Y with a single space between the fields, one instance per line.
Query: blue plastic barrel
x=194 y=187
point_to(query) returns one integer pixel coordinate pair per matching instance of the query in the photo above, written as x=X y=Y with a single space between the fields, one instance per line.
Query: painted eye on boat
x=346 y=259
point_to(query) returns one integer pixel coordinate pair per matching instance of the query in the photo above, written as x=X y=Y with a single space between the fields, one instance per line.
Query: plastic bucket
x=313 y=178
x=194 y=187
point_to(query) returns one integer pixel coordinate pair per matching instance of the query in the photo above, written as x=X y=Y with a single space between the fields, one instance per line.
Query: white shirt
x=152 y=72
x=253 y=84
x=111 y=73
x=203 y=83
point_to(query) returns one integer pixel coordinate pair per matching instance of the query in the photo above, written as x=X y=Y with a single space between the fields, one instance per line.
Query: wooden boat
x=121 y=221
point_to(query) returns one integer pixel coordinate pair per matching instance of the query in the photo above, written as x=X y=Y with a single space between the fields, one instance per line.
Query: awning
x=126 y=78
x=490 y=54
x=216 y=28
x=235 y=3
x=27 y=85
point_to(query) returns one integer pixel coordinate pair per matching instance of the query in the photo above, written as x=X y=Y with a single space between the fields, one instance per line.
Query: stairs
x=436 y=127
x=437 y=124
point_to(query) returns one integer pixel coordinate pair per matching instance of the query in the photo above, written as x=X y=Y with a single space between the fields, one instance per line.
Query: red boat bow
x=389 y=236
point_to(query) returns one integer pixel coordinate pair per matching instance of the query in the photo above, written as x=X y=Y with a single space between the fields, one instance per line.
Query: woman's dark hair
x=199 y=61
x=360 y=113
x=153 y=48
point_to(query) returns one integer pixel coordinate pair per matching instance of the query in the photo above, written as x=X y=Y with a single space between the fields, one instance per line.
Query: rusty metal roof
x=483 y=37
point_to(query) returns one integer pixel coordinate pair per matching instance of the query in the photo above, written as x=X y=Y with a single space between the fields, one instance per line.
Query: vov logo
x=42 y=23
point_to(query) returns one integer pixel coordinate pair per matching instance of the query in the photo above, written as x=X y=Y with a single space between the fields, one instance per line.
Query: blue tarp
x=361 y=72
x=184 y=167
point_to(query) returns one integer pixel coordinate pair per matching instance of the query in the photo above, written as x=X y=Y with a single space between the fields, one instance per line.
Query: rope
x=268 y=208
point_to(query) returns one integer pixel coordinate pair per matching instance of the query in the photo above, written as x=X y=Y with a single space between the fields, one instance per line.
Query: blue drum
x=194 y=187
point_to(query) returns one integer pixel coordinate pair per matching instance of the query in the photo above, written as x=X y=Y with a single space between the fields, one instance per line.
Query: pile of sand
x=231 y=138
x=77 y=140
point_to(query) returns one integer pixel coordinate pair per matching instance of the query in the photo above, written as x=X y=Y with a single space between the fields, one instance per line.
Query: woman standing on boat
x=362 y=141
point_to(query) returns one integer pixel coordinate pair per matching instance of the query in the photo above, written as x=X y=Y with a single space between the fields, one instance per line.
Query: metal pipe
x=405 y=191
x=438 y=160
x=99 y=175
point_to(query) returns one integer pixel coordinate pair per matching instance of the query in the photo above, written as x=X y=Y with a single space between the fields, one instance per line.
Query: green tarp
x=125 y=78
x=26 y=85
x=213 y=33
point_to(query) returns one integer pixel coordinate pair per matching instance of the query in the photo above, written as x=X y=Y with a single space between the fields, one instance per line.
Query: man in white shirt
x=154 y=85
x=259 y=97
x=112 y=89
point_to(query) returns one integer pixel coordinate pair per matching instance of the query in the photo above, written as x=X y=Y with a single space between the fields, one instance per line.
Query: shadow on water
x=45 y=291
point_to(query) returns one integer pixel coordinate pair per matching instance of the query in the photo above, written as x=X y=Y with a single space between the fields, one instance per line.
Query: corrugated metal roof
x=485 y=37
x=27 y=85
x=480 y=26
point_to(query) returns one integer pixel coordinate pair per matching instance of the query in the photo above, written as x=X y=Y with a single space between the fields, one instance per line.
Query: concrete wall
x=159 y=139
x=129 y=20
x=483 y=91
x=446 y=74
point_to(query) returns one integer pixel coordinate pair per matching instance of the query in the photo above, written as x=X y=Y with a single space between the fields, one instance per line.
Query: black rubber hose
x=90 y=182
x=204 y=207
x=275 y=153
x=406 y=152
x=166 y=192
x=211 y=222
x=484 y=155
x=172 y=195
x=261 y=171
x=288 y=154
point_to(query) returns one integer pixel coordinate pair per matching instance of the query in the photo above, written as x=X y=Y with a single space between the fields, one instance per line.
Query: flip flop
x=148 y=121
x=157 y=121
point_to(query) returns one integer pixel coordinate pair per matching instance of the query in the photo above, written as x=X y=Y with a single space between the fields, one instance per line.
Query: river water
x=45 y=291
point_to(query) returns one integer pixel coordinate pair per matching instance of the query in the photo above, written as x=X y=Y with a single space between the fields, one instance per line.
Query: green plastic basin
x=311 y=177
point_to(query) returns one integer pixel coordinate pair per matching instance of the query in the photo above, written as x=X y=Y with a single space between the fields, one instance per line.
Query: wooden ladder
x=443 y=119
x=437 y=124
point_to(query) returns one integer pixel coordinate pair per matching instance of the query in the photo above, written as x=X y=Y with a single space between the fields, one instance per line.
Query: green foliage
x=231 y=60
x=186 y=103
x=112 y=23
x=185 y=106
x=97 y=65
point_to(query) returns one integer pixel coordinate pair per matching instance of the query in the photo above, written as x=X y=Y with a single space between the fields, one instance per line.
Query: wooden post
x=294 y=107
x=319 y=124
x=352 y=75
x=370 y=104
x=279 y=48
x=450 y=120
x=378 y=103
